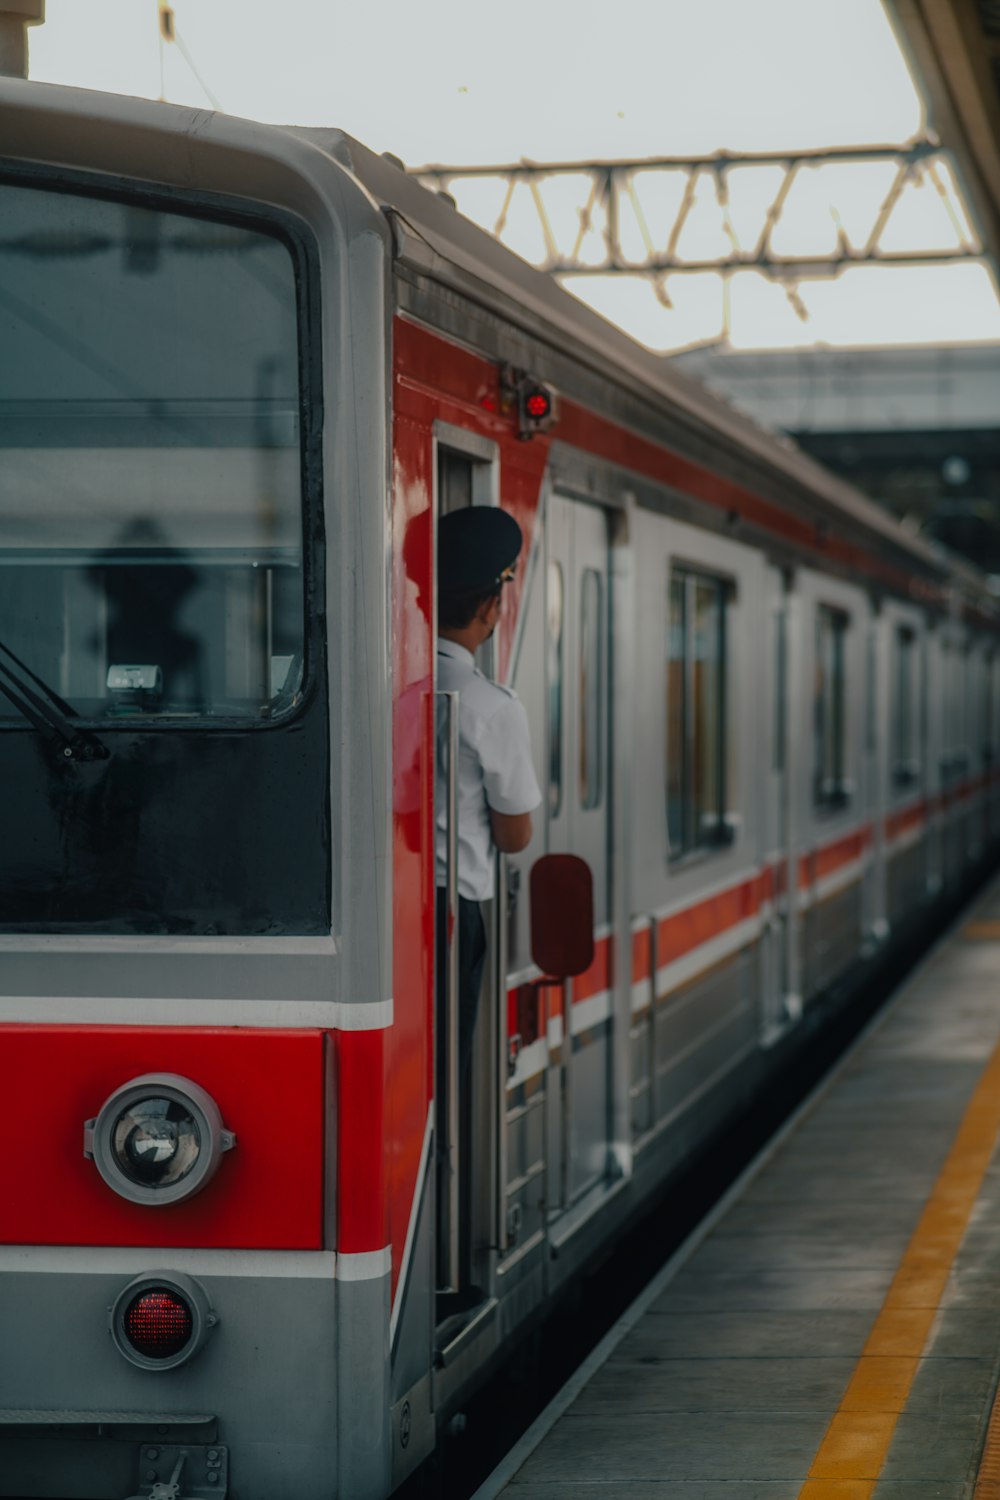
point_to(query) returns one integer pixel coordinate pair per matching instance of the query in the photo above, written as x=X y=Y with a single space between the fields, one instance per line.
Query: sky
x=453 y=81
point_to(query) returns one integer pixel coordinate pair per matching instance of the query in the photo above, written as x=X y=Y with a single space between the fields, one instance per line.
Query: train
x=243 y=370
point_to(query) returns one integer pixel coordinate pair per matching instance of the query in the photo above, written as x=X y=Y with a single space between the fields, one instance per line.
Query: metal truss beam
x=609 y=187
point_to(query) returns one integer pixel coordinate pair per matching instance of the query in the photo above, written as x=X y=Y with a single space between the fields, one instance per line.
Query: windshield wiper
x=51 y=715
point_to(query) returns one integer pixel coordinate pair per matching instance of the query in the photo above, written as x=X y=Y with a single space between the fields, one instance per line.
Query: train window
x=554 y=610
x=591 y=688
x=923 y=701
x=903 y=710
x=677 y=655
x=151 y=561
x=830 y=785
x=696 y=712
x=951 y=710
x=779 y=728
x=871 y=681
x=455 y=481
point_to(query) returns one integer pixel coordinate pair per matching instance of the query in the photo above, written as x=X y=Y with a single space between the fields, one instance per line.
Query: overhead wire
x=168 y=32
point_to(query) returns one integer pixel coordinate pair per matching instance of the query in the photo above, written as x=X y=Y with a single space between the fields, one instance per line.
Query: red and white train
x=242 y=369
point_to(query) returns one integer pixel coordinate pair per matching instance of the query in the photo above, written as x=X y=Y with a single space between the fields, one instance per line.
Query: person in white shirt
x=497 y=788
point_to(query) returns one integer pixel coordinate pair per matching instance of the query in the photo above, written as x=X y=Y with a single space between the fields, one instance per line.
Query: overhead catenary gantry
x=614 y=201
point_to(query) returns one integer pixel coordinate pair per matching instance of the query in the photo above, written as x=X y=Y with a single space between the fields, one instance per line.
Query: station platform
x=833 y=1330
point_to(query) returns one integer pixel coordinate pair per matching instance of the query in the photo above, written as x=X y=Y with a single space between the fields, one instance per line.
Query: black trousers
x=471 y=936
x=471 y=959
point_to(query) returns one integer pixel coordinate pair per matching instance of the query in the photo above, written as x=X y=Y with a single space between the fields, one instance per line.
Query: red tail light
x=158 y=1323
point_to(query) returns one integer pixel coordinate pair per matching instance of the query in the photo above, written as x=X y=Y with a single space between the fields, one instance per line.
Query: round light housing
x=157 y=1323
x=538 y=407
x=158 y=1139
x=161 y=1320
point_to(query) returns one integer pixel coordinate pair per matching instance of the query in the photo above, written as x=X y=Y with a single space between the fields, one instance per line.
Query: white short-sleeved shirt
x=494 y=768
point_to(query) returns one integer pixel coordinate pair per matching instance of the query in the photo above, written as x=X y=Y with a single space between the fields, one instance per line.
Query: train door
x=466 y=473
x=835 y=846
x=579 y=782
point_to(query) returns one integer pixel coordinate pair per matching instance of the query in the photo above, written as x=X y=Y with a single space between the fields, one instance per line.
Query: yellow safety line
x=850 y=1457
x=982 y=932
x=988 y=1478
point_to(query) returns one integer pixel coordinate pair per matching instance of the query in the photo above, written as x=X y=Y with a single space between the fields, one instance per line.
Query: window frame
x=831 y=794
x=592 y=693
x=906 y=761
x=555 y=680
x=291 y=231
x=722 y=833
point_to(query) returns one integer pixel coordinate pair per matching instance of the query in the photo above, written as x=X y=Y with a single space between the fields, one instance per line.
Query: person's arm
x=508 y=777
x=511 y=831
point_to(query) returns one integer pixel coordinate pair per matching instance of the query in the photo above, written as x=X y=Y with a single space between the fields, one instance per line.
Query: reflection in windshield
x=153 y=662
x=150 y=510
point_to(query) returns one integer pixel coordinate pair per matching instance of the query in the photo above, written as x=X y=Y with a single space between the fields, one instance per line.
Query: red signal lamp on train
x=161 y=1320
x=537 y=408
x=158 y=1139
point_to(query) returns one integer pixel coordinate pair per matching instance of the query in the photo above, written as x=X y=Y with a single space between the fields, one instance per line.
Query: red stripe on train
x=599 y=977
x=642 y=955
x=898 y=823
x=686 y=930
x=830 y=857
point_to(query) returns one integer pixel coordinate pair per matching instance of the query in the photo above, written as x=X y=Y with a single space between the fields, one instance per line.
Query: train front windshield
x=153 y=574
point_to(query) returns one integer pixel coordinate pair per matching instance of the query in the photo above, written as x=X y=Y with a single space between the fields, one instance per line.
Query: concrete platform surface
x=835 y=1333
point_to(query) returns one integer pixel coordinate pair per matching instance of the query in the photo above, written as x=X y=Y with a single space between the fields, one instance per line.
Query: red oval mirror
x=562 y=915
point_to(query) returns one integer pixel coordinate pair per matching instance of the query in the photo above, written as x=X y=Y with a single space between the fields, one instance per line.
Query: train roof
x=433 y=237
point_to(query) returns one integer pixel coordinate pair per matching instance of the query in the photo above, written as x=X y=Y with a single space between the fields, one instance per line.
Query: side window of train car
x=904 y=721
x=554 y=642
x=455 y=481
x=831 y=789
x=151 y=564
x=591 y=688
x=697 y=674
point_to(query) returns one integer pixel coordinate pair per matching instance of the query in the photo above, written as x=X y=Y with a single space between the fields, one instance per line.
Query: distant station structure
x=916 y=429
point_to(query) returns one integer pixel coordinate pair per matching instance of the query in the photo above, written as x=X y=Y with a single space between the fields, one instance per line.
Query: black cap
x=476 y=545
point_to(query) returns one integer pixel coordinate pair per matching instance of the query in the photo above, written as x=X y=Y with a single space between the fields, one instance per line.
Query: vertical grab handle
x=502 y=1055
x=447 y=1088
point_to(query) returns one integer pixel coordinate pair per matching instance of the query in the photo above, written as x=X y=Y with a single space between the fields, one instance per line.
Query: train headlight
x=157 y=1139
x=161 y=1320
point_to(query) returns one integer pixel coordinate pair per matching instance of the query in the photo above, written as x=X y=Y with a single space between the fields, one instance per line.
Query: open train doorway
x=466 y=1104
